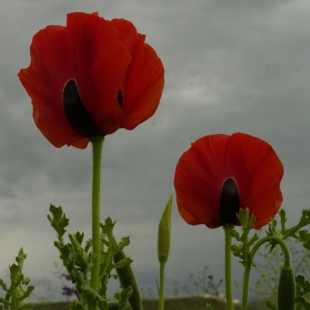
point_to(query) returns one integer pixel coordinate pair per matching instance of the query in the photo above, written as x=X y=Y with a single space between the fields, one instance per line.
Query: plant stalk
x=228 y=273
x=162 y=285
x=97 y=143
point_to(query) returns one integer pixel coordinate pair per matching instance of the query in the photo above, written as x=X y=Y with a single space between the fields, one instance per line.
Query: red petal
x=144 y=82
x=198 y=180
x=258 y=178
x=127 y=33
x=51 y=57
x=103 y=59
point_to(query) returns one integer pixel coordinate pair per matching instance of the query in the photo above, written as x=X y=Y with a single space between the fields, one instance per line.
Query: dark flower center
x=120 y=98
x=229 y=202
x=76 y=113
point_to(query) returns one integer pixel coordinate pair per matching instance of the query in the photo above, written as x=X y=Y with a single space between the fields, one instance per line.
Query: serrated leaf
x=253 y=240
x=59 y=221
x=76 y=306
x=19 y=289
x=124 y=262
x=125 y=241
x=26 y=281
x=3 y=285
x=88 y=246
x=283 y=219
x=107 y=228
x=79 y=237
x=242 y=249
x=304 y=237
x=123 y=298
x=305 y=217
x=80 y=257
x=302 y=302
x=270 y=304
x=272 y=228
x=302 y=282
x=28 y=306
x=236 y=235
x=209 y=307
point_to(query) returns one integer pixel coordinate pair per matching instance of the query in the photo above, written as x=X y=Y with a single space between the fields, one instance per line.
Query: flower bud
x=287 y=289
x=163 y=242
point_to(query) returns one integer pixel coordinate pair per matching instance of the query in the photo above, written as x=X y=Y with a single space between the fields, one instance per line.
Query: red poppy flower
x=91 y=77
x=220 y=174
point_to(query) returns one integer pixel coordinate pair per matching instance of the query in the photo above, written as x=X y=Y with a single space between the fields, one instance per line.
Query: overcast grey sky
x=240 y=65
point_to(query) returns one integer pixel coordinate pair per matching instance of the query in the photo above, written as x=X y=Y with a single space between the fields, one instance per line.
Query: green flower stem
x=97 y=143
x=246 y=280
x=285 y=250
x=249 y=260
x=228 y=276
x=162 y=265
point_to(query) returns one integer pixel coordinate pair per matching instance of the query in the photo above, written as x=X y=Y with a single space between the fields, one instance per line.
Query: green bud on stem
x=287 y=289
x=163 y=241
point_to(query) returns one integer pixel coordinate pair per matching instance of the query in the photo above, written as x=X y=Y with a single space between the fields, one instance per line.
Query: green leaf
x=2 y=284
x=283 y=219
x=304 y=237
x=270 y=304
x=300 y=301
x=123 y=299
x=303 y=284
x=77 y=258
x=304 y=221
x=76 y=305
x=81 y=259
x=209 y=307
x=123 y=243
x=241 y=250
x=305 y=217
x=59 y=220
x=303 y=288
x=236 y=235
x=19 y=289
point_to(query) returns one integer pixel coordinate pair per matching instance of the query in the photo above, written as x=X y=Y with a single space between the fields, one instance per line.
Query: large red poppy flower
x=220 y=174
x=91 y=77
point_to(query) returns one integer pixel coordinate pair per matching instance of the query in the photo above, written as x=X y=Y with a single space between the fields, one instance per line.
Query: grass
x=192 y=303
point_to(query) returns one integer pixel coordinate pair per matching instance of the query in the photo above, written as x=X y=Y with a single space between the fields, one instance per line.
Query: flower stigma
x=229 y=202
x=76 y=112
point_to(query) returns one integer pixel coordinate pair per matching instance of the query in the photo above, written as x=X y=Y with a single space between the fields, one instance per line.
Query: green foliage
x=301 y=237
x=303 y=289
x=19 y=289
x=271 y=305
x=127 y=280
x=201 y=289
x=294 y=232
x=242 y=249
x=247 y=247
x=59 y=221
x=77 y=257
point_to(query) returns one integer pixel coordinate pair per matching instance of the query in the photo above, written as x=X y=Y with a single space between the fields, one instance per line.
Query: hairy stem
x=97 y=143
x=228 y=275
x=162 y=285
